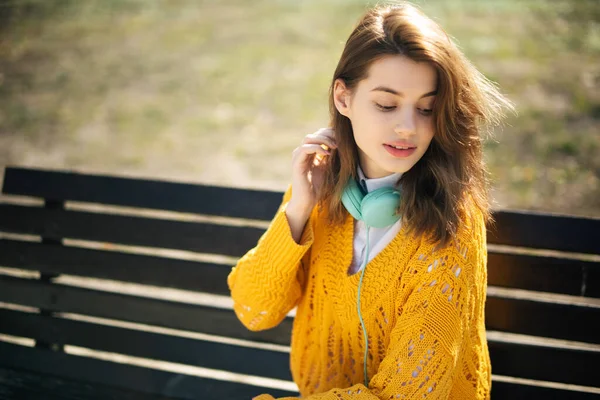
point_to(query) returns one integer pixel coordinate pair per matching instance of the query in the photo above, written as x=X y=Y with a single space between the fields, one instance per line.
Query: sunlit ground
x=222 y=92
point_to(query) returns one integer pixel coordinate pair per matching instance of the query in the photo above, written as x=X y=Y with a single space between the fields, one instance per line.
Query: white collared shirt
x=378 y=237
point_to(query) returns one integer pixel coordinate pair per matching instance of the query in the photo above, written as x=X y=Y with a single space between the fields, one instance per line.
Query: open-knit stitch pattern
x=423 y=309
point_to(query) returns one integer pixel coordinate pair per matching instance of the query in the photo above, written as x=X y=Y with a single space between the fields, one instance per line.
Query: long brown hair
x=449 y=183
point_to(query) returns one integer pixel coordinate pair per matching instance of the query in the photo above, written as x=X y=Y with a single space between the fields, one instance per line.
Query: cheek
x=367 y=122
x=427 y=128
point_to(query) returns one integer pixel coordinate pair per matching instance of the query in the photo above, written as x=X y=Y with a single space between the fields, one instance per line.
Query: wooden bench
x=116 y=288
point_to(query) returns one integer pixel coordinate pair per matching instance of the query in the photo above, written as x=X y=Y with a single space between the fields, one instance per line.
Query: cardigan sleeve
x=267 y=282
x=428 y=337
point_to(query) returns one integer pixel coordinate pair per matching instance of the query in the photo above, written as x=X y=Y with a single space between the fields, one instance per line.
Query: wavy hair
x=449 y=184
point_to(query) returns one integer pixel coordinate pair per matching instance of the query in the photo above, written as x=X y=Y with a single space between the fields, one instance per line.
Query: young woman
x=380 y=240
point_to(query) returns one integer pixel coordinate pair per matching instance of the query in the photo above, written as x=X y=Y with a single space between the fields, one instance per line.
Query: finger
x=319 y=159
x=320 y=140
x=307 y=149
x=326 y=131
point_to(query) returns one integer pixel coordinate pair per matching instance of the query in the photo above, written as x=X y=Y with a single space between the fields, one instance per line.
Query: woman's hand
x=308 y=164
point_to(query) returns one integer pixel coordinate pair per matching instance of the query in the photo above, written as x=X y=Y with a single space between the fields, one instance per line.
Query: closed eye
x=423 y=111
x=384 y=108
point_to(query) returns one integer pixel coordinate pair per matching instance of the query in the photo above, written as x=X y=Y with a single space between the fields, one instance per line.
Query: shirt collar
x=375 y=183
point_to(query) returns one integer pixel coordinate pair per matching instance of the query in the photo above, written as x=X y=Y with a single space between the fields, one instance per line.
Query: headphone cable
x=358 y=306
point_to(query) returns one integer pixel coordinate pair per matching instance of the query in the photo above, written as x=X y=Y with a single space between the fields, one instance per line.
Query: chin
x=405 y=167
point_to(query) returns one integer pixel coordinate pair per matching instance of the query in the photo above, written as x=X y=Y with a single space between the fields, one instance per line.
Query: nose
x=406 y=122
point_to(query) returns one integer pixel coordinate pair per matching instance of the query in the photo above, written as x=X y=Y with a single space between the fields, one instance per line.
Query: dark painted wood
x=30 y=386
x=143 y=193
x=195 y=352
x=539 y=362
x=145 y=380
x=170 y=314
x=544 y=319
x=513 y=391
x=514 y=228
x=126 y=267
x=592 y=282
x=521 y=228
x=508 y=359
x=544 y=274
x=20 y=384
x=547 y=274
x=546 y=231
x=552 y=320
x=136 y=231
x=26 y=385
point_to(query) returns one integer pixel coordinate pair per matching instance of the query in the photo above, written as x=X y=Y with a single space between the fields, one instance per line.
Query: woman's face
x=391 y=114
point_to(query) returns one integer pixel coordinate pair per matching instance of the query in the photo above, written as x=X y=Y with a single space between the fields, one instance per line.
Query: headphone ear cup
x=378 y=208
x=352 y=199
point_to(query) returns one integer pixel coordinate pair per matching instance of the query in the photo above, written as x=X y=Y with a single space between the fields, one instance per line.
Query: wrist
x=297 y=216
x=298 y=209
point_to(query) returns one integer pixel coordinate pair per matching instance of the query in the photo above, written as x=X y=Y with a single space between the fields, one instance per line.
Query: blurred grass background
x=221 y=92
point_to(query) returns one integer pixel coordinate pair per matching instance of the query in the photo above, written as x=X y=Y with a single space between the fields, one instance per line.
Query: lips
x=401 y=145
x=400 y=153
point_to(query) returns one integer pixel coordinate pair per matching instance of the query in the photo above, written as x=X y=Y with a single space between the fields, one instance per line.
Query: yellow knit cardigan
x=423 y=310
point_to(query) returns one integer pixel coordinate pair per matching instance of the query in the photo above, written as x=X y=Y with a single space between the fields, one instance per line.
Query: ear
x=341 y=97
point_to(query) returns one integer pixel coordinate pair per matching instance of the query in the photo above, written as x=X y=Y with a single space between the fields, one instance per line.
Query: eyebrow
x=392 y=91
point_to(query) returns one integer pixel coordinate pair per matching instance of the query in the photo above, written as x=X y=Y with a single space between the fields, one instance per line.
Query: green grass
x=222 y=92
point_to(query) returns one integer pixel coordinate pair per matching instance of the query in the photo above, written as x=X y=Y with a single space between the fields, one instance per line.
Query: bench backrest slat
x=131 y=308
x=138 y=343
x=135 y=268
x=516 y=228
x=523 y=316
x=145 y=380
x=513 y=389
x=539 y=363
x=522 y=271
x=544 y=273
x=543 y=231
x=29 y=385
x=545 y=319
x=128 y=230
x=512 y=359
x=142 y=193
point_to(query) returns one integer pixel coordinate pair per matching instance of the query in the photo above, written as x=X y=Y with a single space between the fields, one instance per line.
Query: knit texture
x=423 y=309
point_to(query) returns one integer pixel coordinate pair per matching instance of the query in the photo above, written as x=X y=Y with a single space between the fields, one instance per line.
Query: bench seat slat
x=20 y=384
x=128 y=230
x=142 y=193
x=169 y=314
x=509 y=359
x=135 y=268
x=146 y=380
x=195 y=352
x=530 y=272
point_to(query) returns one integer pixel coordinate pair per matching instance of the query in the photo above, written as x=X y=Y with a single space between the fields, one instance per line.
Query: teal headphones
x=378 y=210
